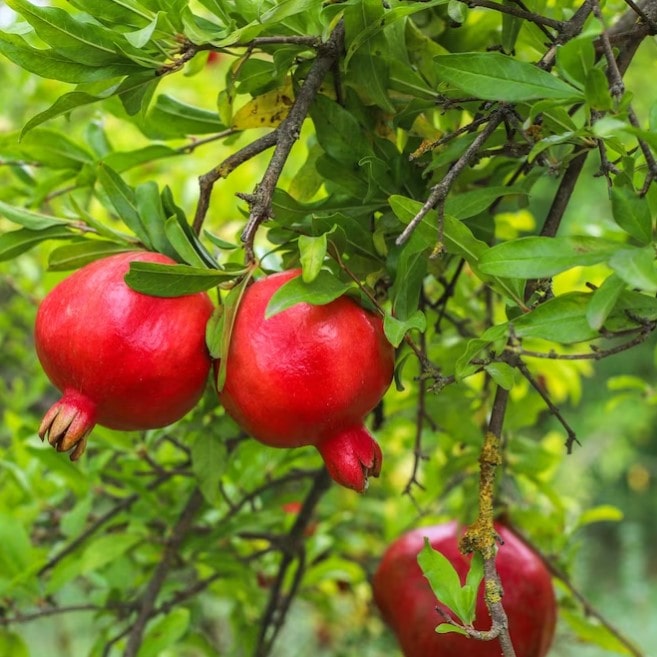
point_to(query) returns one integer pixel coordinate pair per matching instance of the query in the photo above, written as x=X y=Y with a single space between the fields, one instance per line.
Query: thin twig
x=149 y=598
x=530 y=16
x=481 y=536
x=293 y=549
x=439 y=192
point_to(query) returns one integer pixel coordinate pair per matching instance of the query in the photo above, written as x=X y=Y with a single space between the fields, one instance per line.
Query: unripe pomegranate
x=308 y=376
x=122 y=359
x=408 y=605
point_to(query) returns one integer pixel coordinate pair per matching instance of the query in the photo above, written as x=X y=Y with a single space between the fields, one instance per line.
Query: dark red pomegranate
x=408 y=604
x=308 y=376
x=122 y=359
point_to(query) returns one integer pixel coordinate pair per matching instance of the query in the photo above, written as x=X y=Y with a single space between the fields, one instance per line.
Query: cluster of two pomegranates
x=306 y=376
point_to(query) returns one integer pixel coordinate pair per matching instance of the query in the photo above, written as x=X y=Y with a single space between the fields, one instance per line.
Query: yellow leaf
x=269 y=109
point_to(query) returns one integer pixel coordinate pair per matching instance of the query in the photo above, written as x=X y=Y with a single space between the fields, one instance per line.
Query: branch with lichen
x=481 y=536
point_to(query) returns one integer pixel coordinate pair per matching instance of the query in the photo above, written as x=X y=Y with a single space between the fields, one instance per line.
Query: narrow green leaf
x=494 y=76
x=226 y=324
x=396 y=329
x=15 y=242
x=632 y=214
x=170 y=118
x=601 y=513
x=160 y=280
x=181 y=242
x=448 y=628
x=78 y=254
x=48 y=63
x=322 y=290
x=472 y=582
x=153 y=218
x=312 y=251
x=603 y=301
x=122 y=197
x=636 y=267
x=207 y=464
x=590 y=631
x=538 y=257
x=470 y=203
x=29 y=219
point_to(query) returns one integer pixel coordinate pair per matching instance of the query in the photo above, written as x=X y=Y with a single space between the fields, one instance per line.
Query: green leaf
x=470 y=203
x=396 y=329
x=502 y=373
x=152 y=217
x=575 y=59
x=636 y=267
x=29 y=219
x=589 y=630
x=171 y=118
x=371 y=76
x=561 y=319
x=322 y=290
x=16 y=552
x=208 y=464
x=448 y=628
x=473 y=580
x=603 y=301
x=338 y=132
x=165 y=632
x=15 y=242
x=443 y=579
x=122 y=197
x=12 y=644
x=78 y=254
x=312 y=251
x=632 y=214
x=161 y=280
x=596 y=90
x=226 y=324
x=539 y=257
x=600 y=513
x=493 y=76
x=48 y=63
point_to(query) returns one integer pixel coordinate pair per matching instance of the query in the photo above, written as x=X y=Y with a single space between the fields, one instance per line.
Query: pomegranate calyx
x=68 y=423
x=351 y=457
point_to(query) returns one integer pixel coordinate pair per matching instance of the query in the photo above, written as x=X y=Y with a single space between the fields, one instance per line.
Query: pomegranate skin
x=408 y=605
x=308 y=376
x=122 y=359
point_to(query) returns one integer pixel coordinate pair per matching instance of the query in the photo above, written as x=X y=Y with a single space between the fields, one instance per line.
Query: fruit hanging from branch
x=122 y=359
x=408 y=604
x=308 y=376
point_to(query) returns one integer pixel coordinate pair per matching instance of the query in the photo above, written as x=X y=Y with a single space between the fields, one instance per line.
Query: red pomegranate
x=408 y=604
x=308 y=376
x=122 y=359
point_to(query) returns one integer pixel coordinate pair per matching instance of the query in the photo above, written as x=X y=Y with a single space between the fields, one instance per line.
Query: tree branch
x=149 y=598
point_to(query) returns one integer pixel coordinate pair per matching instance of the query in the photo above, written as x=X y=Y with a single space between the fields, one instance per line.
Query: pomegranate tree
x=121 y=359
x=308 y=376
x=408 y=605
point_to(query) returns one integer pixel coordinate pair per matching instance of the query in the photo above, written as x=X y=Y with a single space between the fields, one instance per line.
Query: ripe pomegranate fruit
x=408 y=605
x=122 y=359
x=308 y=376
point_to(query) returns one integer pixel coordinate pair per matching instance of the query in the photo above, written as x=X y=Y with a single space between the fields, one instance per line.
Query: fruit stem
x=351 y=457
x=68 y=423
